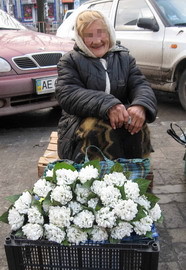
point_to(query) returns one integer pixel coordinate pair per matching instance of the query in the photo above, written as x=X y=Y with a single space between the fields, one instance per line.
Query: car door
x=145 y=45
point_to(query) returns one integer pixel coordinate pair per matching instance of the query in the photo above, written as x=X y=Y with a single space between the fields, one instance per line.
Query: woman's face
x=96 y=38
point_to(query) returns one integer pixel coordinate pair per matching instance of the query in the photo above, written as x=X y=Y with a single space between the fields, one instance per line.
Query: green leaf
x=66 y=243
x=152 y=198
x=4 y=217
x=143 y=184
x=73 y=185
x=87 y=208
x=55 y=203
x=37 y=204
x=19 y=233
x=122 y=190
x=117 y=167
x=98 y=207
x=127 y=174
x=49 y=178
x=160 y=220
x=47 y=202
x=64 y=165
x=91 y=196
x=149 y=235
x=88 y=183
x=87 y=230
x=13 y=198
x=141 y=213
x=114 y=241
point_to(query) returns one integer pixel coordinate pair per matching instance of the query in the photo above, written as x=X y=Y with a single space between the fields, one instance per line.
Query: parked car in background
x=154 y=31
x=67 y=14
x=28 y=70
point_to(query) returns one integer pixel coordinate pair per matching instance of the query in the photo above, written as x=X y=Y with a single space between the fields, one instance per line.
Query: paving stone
x=158 y=189
x=178 y=236
x=167 y=253
x=169 y=266
x=183 y=264
x=182 y=207
x=169 y=198
x=172 y=216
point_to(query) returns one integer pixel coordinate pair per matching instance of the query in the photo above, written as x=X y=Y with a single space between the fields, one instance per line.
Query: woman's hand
x=132 y=119
x=137 y=118
x=118 y=116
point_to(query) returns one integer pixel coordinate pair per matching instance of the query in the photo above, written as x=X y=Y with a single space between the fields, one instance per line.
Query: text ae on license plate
x=45 y=85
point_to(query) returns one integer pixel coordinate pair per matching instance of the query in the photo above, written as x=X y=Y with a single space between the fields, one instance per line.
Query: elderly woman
x=105 y=99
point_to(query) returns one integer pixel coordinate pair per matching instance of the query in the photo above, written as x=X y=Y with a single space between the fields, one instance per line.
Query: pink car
x=28 y=71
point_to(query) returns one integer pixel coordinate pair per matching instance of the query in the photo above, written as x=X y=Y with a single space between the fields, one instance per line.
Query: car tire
x=182 y=90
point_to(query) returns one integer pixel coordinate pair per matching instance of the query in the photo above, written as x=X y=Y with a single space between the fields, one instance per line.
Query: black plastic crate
x=25 y=254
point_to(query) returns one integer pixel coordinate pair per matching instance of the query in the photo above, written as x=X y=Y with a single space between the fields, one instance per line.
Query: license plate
x=45 y=85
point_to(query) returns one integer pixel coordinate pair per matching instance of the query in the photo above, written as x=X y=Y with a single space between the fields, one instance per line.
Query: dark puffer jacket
x=81 y=83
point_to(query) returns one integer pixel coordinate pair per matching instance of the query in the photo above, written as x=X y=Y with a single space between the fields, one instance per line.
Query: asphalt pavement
x=18 y=171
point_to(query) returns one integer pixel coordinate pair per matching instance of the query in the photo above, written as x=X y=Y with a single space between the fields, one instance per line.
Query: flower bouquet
x=71 y=205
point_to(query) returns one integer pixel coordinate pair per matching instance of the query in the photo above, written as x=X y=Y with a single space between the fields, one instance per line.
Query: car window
x=8 y=22
x=174 y=11
x=68 y=13
x=128 y=12
x=104 y=7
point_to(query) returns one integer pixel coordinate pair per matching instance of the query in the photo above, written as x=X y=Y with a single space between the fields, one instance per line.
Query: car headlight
x=4 y=65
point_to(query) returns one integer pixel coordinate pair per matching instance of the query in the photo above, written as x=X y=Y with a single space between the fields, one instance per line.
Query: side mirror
x=148 y=23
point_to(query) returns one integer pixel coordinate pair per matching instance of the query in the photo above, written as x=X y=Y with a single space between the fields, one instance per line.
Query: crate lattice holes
x=23 y=254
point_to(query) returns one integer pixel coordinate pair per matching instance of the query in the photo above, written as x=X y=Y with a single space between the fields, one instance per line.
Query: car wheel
x=182 y=90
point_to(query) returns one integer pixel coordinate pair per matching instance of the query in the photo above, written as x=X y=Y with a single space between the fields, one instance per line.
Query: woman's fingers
x=137 y=114
x=118 y=115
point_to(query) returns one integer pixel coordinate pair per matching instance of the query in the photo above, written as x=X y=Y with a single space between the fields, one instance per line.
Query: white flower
x=59 y=216
x=32 y=231
x=49 y=173
x=75 y=207
x=131 y=190
x=72 y=211
x=122 y=230
x=126 y=209
x=88 y=173
x=110 y=196
x=62 y=194
x=98 y=234
x=84 y=219
x=23 y=203
x=115 y=178
x=97 y=186
x=155 y=212
x=106 y=218
x=42 y=187
x=66 y=176
x=82 y=193
x=15 y=219
x=143 y=201
x=53 y=233
x=143 y=226
x=92 y=203
x=34 y=216
x=75 y=235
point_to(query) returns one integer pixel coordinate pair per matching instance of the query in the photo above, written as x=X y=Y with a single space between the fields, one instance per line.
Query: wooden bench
x=50 y=155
